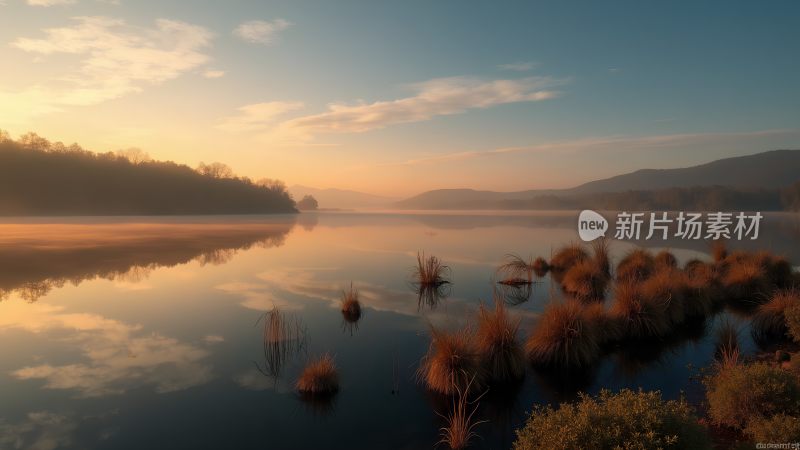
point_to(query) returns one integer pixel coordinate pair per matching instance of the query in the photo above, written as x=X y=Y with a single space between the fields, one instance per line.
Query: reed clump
x=452 y=362
x=540 y=266
x=350 y=305
x=726 y=345
x=665 y=288
x=567 y=256
x=516 y=270
x=496 y=342
x=639 y=316
x=319 y=377
x=565 y=336
x=431 y=271
x=770 y=320
x=586 y=281
x=637 y=265
x=460 y=423
x=665 y=259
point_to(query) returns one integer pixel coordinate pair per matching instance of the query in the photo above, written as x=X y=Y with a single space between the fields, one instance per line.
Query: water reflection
x=284 y=337
x=39 y=257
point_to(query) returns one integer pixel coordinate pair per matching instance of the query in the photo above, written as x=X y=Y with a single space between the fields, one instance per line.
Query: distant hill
x=741 y=179
x=39 y=179
x=341 y=198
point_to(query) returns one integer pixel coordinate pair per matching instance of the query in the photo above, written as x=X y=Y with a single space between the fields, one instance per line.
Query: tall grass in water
x=639 y=316
x=430 y=296
x=637 y=265
x=350 y=306
x=496 y=342
x=665 y=259
x=284 y=336
x=719 y=251
x=564 y=337
x=585 y=281
x=540 y=266
x=769 y=321
x=601 y=256
x=459 y=430
x=745 y=281
x=516 y=270
x=727 y=345
x=452 y=362
x=567 y=256
x=666 y=287
x=431 y=271
x=319 y=378
x=703 y=291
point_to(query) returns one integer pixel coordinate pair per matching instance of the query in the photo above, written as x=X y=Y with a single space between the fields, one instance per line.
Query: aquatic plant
x=702 y=289
x=540 y=266
x=636 y=265
x=665 y=259
x=319 y=378
x=496 y=342
x=515 y=294
x=769 y=322
x=744 y=392
x=459 y=430
x=638 y=315
x=516 y=270
x=609 y=327
x=431 y=271
x=585 y=281
x=601 y=256
x=430 y=295
x=623 y=420
x=567 y=256
x=284 y=337
x=719 y=251
x=350 y=305
x=451 y=363
x=666 y=287
x=564 y=337
x=745 y=281
x=726 y=346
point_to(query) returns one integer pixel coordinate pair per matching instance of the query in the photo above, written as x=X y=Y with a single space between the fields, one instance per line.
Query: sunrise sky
x=395 y=98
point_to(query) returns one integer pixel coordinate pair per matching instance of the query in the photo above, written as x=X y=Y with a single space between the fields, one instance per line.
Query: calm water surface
x=132 y=333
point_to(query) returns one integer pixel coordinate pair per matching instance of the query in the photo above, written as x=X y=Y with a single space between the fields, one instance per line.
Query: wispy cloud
x=51 y=2
x=519 y=66
x=115 y=59
x=257 y=116
x=437 y=97
x=620 y=143
x=261 y=31
x=213 y=73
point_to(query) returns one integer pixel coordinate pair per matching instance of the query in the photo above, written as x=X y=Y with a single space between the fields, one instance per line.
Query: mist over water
x=145 y=332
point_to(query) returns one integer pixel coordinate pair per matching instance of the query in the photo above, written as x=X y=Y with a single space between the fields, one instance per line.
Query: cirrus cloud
x=114 y=59
x=261 y=31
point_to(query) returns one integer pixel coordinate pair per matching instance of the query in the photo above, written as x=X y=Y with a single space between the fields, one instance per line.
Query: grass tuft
x=769 y=322
x=586 y=281
x=637 y=265
x=319 y=377
x=567 y=256
x=350 y=305
x=639 y=316
x=452 y=362
x=431 y=271
x=564 y=337
x=459 y=430
x=496 y=342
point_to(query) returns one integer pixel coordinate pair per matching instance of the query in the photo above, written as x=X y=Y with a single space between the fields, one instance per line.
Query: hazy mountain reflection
x=38 y=257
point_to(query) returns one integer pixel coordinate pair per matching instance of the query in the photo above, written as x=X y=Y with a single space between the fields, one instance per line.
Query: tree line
x=39 y=177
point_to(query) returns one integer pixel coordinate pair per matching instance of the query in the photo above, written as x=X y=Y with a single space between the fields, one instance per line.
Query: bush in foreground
x=780 y=428
x=742 y=393
x=626 y=420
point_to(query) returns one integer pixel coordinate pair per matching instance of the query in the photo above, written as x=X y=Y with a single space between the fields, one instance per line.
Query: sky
x=395 y=98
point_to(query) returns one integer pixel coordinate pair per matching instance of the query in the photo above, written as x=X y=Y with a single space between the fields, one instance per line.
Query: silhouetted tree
x=215 y=170
x=37 y=177
x=308 y=203
x=134 y=155
x=270 y=183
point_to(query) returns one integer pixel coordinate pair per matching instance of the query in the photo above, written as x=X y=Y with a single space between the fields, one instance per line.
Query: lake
x=141 y=332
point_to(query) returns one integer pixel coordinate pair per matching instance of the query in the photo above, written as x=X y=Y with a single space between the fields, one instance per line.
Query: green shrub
x=742 y=393
x=626 y=420
x=780 y=428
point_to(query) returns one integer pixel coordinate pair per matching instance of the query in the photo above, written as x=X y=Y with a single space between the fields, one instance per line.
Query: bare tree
x=273 y=184
x=134 y=155
x=215 y=170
